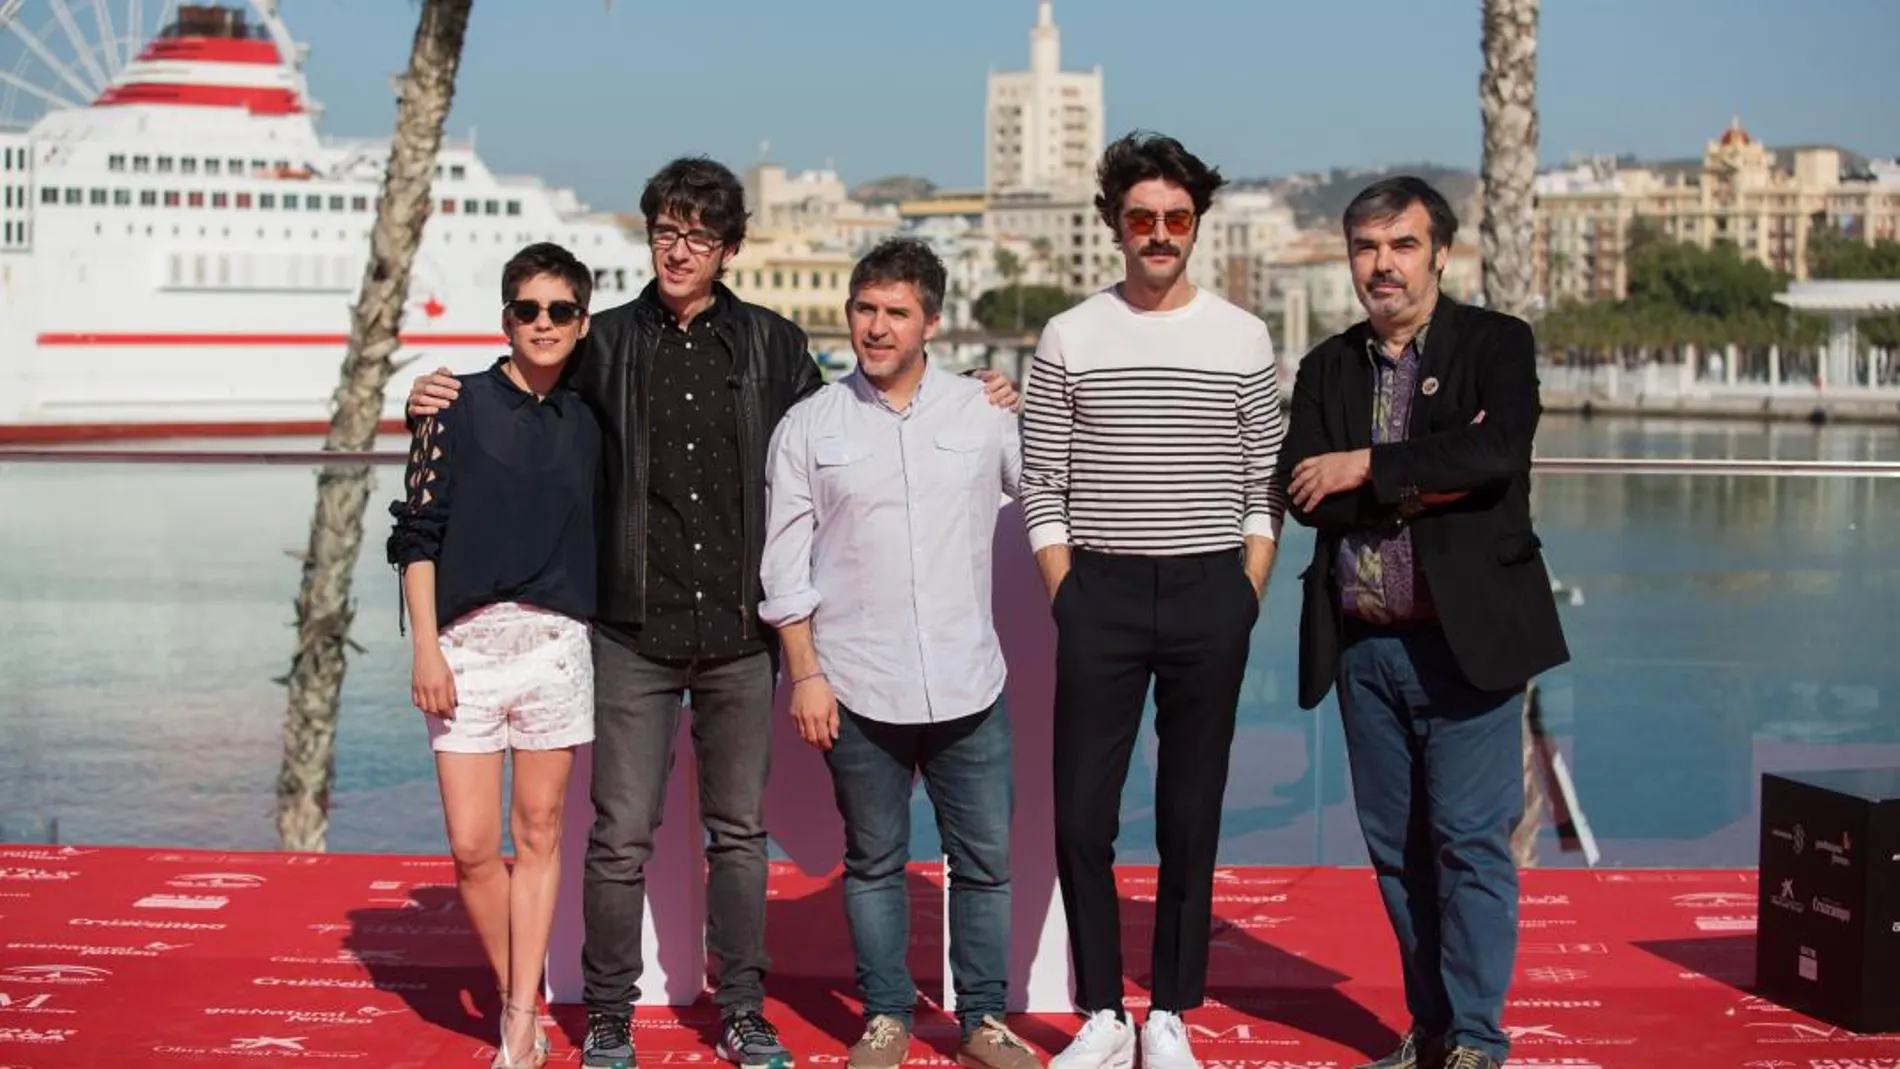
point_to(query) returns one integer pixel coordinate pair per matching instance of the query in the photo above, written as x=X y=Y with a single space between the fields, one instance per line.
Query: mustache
x=1160 y=247
x=1385 y=280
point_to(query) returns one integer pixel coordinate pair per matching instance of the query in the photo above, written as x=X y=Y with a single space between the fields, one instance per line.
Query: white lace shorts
x=524 y=680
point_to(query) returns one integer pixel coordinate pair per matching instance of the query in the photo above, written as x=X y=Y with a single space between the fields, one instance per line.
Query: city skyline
x=798 y=79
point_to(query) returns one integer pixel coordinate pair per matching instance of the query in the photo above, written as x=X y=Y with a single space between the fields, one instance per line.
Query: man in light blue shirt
x=882 y=495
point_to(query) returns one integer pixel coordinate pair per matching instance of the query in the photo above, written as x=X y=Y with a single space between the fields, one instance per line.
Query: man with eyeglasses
x=1150 y=431
x=689 y=383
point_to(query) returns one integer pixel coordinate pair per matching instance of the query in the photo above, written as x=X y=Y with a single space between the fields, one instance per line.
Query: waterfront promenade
x=1722 y=629
x=1664 y=390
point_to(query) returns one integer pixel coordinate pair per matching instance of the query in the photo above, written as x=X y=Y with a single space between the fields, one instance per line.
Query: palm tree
x=324 y=609
x=1507 y=100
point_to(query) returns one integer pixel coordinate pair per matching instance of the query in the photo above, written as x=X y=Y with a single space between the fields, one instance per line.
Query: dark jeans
x=636 y=716
x=1185 y=621
x=1437 y=776
x=966 y=767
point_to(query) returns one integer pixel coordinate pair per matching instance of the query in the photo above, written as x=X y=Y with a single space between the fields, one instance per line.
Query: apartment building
x=1742 y=193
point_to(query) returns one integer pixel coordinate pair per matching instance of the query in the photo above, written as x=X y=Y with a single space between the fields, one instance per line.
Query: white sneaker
x=1105 y=1042
x=1164 y=1043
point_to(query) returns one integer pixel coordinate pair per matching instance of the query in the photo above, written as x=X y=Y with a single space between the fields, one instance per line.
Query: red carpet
x=131 y=958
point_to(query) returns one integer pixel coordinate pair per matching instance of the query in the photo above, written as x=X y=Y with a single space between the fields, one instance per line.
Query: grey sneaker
x=747 y=1039
x=609 y=1043
x=1415 y=1052
x=1469 y=1058
x=883 y=1046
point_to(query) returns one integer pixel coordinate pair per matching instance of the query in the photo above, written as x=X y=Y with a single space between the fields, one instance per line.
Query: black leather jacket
x=612 y=370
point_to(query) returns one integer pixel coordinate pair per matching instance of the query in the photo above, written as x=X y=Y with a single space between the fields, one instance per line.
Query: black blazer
x=1479 y=555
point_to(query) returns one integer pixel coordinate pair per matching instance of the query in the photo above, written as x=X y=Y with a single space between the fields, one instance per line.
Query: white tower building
x=1043 y=126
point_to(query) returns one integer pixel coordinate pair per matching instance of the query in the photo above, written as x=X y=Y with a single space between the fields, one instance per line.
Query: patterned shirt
x=695 y=503
x=1380 y=581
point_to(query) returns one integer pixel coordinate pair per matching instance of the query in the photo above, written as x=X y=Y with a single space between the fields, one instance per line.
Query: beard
x=1387 y=303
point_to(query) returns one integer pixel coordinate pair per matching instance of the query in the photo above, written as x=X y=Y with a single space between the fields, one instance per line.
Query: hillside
x=894 y=189
x=1318 y=200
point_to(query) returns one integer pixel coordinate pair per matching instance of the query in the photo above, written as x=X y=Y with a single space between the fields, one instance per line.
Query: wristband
x=801 y=679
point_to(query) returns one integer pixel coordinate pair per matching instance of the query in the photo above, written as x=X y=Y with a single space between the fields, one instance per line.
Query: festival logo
x=38 y=1002
x=265 y=1047
x=337 y=984
x=156 y=926
x=88 y=950
x=41 y=1036
x=216 y=880
x=70 y=975
x=202 y=902
x=305 y=1016
x=1555 y=974
x=22 y=874
x=1805 y=1032
x=1785 y=898
x=1796 y=839
x=351 y=958
x=1831 y=909
x=1713 y=900
x=36 y=853
x=1544 y=1035
x=1838 y=853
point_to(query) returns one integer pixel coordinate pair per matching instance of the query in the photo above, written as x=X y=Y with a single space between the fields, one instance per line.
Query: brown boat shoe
x=885 y=1042
x=991 y=1045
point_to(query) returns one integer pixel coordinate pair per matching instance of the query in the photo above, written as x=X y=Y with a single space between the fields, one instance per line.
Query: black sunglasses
x=560 y=313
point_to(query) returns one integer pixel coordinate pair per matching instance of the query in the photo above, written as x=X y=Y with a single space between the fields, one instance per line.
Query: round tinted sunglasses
x=1141 y=222
x=560 y=313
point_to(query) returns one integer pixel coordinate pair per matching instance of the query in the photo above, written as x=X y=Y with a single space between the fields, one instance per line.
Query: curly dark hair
x=696 y=187
x=547 y=258
x=904 y=260
x=1142 y=155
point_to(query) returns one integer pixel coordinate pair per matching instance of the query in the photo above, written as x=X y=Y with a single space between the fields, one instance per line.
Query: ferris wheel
x=60 y=54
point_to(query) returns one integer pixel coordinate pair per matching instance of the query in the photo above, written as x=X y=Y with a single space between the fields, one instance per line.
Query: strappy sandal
x=537 y=1053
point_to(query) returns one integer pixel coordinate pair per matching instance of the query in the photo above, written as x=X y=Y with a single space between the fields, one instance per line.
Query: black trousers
x=1184 y=622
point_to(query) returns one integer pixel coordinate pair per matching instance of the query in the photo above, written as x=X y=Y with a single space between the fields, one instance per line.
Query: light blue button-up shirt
x=879 y=528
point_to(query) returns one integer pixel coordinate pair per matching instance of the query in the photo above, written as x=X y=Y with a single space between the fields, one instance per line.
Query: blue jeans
x=966 y=767
x=1437 y=776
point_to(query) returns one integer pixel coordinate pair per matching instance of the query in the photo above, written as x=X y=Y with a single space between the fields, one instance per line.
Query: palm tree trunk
x=324 y=609
x=1507 y=101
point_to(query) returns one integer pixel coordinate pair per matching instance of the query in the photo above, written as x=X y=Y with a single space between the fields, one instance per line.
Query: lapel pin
x=1429 y=387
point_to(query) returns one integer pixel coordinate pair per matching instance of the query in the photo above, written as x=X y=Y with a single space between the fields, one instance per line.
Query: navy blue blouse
x=500 y=494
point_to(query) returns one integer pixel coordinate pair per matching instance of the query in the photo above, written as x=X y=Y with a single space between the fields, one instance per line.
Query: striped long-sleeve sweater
x=1152 y=433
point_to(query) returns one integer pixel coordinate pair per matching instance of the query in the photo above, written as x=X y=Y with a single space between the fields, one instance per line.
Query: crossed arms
x=1337 y=491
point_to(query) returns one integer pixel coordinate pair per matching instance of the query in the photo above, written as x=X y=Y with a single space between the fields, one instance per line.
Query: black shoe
x=1415 y=1052
x=609 y=1043
x=1469 y=1058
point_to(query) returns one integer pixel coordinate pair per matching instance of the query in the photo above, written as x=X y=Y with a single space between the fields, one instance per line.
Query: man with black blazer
x=1427 y=604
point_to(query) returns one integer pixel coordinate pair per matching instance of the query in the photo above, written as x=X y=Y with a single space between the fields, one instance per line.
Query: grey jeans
x=636 y=716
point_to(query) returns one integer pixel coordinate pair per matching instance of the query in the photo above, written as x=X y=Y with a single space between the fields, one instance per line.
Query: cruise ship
x=180 y=246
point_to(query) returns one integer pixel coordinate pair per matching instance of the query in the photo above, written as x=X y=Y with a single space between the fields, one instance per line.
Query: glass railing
x=1731 y=597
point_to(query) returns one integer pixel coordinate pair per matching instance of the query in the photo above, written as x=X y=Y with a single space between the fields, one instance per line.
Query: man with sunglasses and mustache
x=689 y=383
x=1428 y=604
x=1150 y=431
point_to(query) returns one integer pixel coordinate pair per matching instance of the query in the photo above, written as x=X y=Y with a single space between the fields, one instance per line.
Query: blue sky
x=597 y=99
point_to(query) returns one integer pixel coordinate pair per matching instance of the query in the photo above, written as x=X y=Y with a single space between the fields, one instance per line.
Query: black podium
x=1827 y=940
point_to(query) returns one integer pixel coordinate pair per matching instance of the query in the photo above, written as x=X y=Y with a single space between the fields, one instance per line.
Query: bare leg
x=540 y=788
x=471 y=807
